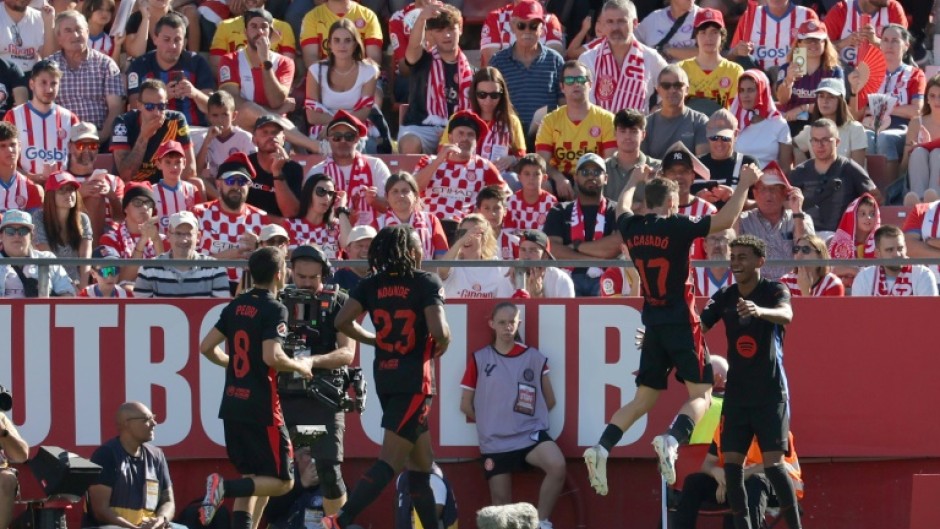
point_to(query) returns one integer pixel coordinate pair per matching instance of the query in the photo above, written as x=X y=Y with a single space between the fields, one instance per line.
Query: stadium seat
x=894 y=215
x=475 y=12
x=876 y=164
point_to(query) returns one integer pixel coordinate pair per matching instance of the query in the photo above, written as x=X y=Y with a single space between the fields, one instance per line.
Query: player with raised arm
x=253 y=327
x=659 y=243
x=406 y=305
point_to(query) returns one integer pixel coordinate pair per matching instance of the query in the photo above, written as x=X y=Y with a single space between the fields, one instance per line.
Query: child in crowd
x=171 y=193
x=527 y=208
x=105 y=276
x=491 y=203
x=223 y=137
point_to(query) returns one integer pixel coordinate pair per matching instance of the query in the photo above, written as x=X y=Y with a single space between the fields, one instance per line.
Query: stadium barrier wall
x=860 y=371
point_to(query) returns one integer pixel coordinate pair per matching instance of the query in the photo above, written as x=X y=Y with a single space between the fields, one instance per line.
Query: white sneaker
x=667 y=448
x=596 y=460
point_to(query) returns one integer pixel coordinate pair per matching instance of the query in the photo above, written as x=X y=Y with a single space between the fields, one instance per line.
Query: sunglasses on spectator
x=87 y=146
x=590 y=172
x=155 y=106
x=805 y=250
x=575 y=79
x=108 y=271
x=492 y=95
x=142 y=203
x=670 y=86
x=348 y=137
x=236 y=181
x=722 y=139
x=324 y=192
x=22 y=231
x=531 y=26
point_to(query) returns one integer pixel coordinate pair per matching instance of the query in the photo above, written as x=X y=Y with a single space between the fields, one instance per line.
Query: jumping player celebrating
x=756 y=403
x=658 y=244
x=253 y=327
x=406 y=305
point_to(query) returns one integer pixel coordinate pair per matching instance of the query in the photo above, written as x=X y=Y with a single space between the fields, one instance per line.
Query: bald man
x=134 y=489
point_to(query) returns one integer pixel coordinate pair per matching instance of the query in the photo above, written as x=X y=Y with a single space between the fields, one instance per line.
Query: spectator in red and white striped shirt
x=816 y=280
x=171 y=193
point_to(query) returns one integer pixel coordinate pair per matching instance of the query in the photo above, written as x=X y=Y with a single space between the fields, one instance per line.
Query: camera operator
x=331 y=351
x=13 y=449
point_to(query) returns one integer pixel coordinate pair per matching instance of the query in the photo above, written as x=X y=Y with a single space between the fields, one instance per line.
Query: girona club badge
x=595 y=132
x=605 y=88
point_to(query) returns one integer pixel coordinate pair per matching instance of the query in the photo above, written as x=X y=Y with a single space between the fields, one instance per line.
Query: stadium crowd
x=206 y=129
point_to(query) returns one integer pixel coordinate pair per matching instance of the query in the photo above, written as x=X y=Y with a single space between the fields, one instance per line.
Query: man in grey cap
x=594 y=235
x=24 y=281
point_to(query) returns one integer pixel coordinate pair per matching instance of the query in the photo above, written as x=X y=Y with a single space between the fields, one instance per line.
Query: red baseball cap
x=168 y=147
x=468 y=118
x=707 y=15
x=345 y=118
x=59 y=179
x=528 y=10
x=773 y=176
x=812 y=29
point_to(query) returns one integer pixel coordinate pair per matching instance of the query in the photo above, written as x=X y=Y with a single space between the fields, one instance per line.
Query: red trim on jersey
x=416 y=402
x=274 y=443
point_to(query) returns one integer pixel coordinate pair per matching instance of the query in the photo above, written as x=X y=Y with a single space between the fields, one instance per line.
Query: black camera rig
x=308 y=312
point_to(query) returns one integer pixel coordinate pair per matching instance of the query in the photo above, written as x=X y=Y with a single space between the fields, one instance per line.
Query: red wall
x=861 y=375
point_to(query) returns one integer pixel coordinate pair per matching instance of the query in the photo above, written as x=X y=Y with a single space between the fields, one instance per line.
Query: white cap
x=269 y=231
x=183 y=217
x=363 y=231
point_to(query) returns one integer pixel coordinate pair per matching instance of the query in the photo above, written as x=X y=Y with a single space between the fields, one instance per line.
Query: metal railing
x=520 y=265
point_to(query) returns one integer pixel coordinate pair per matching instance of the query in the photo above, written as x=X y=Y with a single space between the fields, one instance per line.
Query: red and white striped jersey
x=302 y=231
x=44 y=136
x=103 y=43
x=706 y=283
x=220 y=230
x=845 y=18
x=508 y=245
x=183 y=197
x=20 y=193
x=524 y=216
x=770 y=35
x=696 y=209
x=829 y=285
x=453 y=188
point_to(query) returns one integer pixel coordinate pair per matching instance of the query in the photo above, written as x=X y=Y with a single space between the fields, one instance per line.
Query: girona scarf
x=437 y=88
x=843 y=244
x=903 y=286
x=577 y=221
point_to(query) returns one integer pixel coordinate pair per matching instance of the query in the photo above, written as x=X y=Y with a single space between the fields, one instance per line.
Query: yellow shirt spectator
x=316 y=27
x=720 y=85
x=230 y=36
x=567 y=141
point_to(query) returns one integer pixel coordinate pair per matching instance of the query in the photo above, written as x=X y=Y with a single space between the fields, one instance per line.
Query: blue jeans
x=890 y=143
x=585 y=286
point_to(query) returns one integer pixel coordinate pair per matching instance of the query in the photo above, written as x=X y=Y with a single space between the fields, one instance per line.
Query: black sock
x=241 y=520
x=367 y=490
x=682 y=428
x=786 y=496
x=611 y=436
x=419 y=486
x=239 y=488
x=737 y=496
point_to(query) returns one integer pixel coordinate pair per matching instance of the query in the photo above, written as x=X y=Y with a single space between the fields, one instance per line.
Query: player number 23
x=385 y=323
